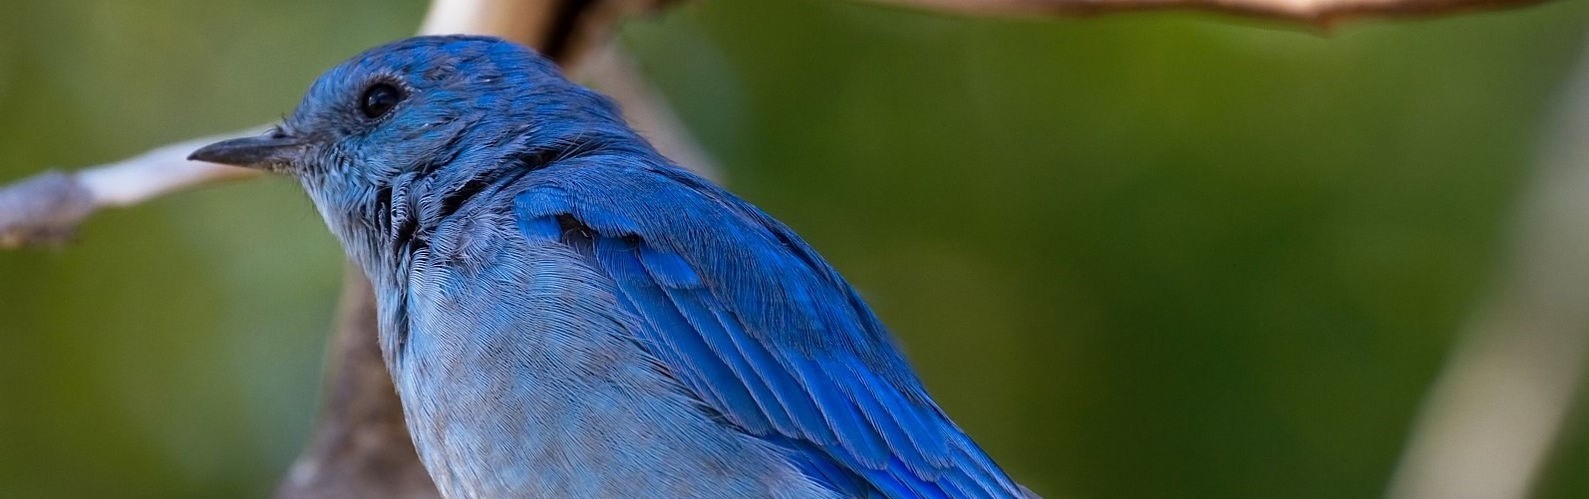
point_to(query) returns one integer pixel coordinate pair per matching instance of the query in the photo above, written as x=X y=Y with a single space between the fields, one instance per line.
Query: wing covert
x=751 y=320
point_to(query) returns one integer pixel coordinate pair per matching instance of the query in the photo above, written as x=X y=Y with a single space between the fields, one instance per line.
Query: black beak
x=273 y=151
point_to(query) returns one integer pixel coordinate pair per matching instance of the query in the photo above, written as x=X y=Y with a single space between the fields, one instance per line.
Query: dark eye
x=379 y=99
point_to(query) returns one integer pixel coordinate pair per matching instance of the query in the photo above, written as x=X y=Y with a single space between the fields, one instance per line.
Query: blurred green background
x=1139 y=256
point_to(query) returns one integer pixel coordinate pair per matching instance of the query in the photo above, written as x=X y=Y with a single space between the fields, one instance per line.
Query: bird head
x=422 y=116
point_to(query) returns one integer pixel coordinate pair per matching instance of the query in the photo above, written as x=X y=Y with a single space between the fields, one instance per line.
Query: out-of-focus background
x=1138 y=256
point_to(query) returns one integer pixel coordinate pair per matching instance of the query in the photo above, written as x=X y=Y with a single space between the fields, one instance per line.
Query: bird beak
x=273 y=151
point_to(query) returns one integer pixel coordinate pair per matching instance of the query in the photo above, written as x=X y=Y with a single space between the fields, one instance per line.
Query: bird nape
x=565 y=313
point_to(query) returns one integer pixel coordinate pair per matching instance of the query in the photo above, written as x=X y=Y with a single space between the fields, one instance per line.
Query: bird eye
x=379 y=99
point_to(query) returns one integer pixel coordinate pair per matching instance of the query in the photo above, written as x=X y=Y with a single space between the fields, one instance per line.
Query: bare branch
x=1319 y=13
x=46 y=208
x=42 y=209
x=159 y=172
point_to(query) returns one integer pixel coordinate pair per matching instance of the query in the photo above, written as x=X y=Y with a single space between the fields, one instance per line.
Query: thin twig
x=46 y=208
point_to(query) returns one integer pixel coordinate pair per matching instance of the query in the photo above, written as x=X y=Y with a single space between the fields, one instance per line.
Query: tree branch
x=46 y=208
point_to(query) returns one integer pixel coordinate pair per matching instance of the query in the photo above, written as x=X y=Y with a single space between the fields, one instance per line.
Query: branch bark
x=46 y=208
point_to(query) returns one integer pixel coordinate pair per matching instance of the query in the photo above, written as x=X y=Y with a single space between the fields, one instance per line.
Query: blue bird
x=566 y=313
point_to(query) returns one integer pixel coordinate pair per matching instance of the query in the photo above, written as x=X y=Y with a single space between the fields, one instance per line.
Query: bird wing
x=758 y=327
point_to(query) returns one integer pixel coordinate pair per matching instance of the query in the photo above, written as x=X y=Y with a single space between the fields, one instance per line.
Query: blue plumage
x=567 y=314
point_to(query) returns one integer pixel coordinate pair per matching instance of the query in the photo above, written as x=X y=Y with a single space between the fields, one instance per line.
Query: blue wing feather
x=765 y=332
x=701 y=368
x=669 y=269
x=783 y=410
x=542 y=228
